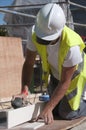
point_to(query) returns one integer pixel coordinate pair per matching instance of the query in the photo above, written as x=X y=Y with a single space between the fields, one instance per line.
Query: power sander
x=17 y=102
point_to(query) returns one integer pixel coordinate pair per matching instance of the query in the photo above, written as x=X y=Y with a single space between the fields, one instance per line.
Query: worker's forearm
x=62 y=87
x=27 y=73
x=27 y=70
x=58 y=94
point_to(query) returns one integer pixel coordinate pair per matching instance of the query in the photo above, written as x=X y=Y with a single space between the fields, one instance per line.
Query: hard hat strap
x=41 y=41
x=44 y=42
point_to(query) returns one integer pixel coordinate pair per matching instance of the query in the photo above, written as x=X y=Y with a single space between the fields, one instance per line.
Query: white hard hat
x=50 y=21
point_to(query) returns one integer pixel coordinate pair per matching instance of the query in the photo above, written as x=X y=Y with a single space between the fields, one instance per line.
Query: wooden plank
x=11 y=61
x=63 y=124
x=56 y=125
x=33 y=126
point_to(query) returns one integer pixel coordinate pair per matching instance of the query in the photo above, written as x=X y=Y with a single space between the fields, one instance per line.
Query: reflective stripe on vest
x=80 y=67
x=76 y=73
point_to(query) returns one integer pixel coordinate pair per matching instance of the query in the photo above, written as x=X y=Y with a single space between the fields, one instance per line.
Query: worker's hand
x=24 y=94
x=20 y=95
x=46 y=115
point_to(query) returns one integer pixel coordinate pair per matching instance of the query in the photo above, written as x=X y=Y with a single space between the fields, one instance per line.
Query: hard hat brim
x=47 y=37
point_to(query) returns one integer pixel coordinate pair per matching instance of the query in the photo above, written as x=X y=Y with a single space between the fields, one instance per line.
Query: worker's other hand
x=46 y=115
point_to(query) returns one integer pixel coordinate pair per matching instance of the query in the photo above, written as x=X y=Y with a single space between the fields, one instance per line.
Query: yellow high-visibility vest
x=78 y=81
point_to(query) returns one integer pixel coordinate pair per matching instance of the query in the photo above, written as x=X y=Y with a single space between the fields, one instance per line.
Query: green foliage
x=3 y=32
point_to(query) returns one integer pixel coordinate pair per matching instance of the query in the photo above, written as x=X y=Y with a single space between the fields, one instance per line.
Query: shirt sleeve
x=30 y=44
x=73 y=57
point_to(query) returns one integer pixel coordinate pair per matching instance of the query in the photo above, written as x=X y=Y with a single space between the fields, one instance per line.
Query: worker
x=63 y=59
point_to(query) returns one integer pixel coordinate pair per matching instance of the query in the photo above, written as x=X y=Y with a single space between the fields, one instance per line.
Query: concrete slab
x=14 y=117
